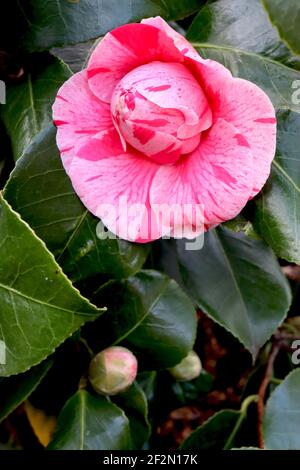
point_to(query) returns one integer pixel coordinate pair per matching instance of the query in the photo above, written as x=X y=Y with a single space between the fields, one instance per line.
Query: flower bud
x=112 y=370
x=188 y=369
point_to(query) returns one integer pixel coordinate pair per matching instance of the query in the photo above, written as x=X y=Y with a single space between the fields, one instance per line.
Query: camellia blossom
x=158 y=141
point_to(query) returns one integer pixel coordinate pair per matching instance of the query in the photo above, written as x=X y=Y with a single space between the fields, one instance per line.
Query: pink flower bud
x=188 y=369
x=113 y=370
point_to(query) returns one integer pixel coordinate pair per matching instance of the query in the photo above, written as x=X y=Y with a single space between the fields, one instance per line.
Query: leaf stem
x=84 y=342
x=276 y=381
x=243 y=415
x=262 y=393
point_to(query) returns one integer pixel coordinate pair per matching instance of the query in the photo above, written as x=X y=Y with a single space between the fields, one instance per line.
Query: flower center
x=160 y=110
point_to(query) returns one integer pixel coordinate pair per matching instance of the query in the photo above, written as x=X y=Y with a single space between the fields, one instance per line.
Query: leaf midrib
x=81 y=219
x=203 y=45
x=143 y=317
x=32 y=106
x=286 y=175
x=40 y=302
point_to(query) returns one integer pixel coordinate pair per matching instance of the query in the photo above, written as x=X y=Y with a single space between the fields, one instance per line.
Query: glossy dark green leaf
x=214 y=433
x=135 y=406
x=52 y=22
x=89 y=422
x=147 y=382
x=186 y=392
x=281 y=424
x=285 y=15
x=242 y=24
x=28 y=104
x=152 y=315
x=40 y=190
x=277 y=217
x=39 y=306
x=237 y=281
x=75 y=56
x=14 y=390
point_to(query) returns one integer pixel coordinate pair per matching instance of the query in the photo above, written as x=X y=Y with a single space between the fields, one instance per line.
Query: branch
x=262 y=392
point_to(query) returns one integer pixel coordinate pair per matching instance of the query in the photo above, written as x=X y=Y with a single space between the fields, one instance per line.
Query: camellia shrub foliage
x=112 y=341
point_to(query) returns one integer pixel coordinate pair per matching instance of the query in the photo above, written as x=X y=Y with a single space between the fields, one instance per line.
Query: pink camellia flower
x=158 y=141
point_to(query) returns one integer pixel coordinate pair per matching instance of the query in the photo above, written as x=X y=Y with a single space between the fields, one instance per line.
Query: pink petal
x=249 y=109
x=158 y=106
x=161 y=147
x=124 y=49
x=238 y=101
x=170 y=85
x=181 y=44
x=105 y=144
x=116 y=188
x=78 y=115
x=216 y=179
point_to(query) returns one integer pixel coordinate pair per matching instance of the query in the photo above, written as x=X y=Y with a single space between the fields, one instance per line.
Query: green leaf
x=214 y=433
x=75 y=56
x=134 y=404
x=147 y=382
x=28 y=104
x=285 y=15
x=14 y=390
x=87 y=422
x=277 y=209
x=237 y=281
x=186 y=392
x=281 y=425
x=152 y=314
x=241 y=24
x=39 y=306
x=276 y=79
x=53 y=23
x=40 y=190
